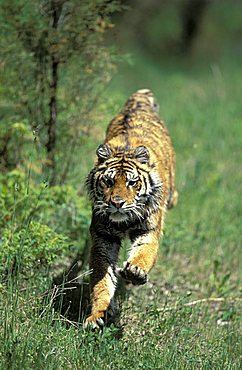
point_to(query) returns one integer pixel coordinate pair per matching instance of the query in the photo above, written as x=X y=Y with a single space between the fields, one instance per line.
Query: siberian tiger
x=131 y=186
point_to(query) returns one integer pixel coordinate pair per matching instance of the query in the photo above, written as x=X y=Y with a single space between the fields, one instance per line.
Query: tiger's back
x=138 y=124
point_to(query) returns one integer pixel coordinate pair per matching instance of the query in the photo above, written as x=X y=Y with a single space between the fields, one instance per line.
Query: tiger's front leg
x=142 y=256
x=104 y=254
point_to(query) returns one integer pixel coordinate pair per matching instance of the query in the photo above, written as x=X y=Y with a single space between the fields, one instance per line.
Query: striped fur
x=131 y=186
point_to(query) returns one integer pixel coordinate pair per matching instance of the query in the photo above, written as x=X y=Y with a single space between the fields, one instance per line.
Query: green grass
x=189 y=314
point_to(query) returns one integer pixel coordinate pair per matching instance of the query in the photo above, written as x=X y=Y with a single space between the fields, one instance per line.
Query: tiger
x=131 y=186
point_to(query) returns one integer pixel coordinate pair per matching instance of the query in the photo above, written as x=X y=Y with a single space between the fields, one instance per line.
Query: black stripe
x=111 y=277
x=146 y=182
x=152 y=183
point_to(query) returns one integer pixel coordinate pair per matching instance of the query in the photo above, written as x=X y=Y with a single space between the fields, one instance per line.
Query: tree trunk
x=192 y=14
x=4 y=153
x=51 y=124
x=56 y=9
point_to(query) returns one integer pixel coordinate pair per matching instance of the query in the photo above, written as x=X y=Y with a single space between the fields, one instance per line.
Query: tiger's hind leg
x=173 y=199
x=173 y=194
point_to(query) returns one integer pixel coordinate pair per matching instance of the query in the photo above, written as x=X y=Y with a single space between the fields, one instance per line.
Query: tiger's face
x=121 y=192
x=122 y=187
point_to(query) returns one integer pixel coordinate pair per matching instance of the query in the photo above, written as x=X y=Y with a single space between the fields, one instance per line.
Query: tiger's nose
x=117 y=201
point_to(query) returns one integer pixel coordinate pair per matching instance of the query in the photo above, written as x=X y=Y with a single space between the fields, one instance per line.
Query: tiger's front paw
x=133 y=274
x=94 y=322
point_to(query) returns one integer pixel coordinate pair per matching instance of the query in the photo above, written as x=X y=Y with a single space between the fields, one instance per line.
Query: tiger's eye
x=108 y=181
x=132 y=182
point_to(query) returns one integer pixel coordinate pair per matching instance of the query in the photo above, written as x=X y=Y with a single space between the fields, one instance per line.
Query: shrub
x=26 y=208
x=31 y=248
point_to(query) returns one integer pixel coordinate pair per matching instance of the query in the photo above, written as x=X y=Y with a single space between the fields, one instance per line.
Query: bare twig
x=200 y=301
x=63 y=318
x=56 y=288
x=212 y=300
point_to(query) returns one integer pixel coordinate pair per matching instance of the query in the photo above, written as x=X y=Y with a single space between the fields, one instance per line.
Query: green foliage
x=23 y=200
x=15 y=140
x=55 y=65
x=27 y=209
x=28 y=34
x=31 y=248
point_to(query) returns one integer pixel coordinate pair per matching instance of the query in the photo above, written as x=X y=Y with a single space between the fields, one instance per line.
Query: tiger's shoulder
x=138 y=122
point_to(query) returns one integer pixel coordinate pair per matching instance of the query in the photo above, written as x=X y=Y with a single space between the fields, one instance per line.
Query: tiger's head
x=122 y=185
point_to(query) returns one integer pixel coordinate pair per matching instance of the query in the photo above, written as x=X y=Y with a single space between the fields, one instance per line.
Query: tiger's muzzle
x=117 y=202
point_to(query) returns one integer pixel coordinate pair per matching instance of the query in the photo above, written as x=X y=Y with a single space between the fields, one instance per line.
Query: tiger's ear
x=103 y=152
x=142 y=154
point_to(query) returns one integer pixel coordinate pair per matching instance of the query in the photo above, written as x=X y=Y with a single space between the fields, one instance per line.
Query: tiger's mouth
x=118 y=217
x=129 y=212
x=117 y=214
